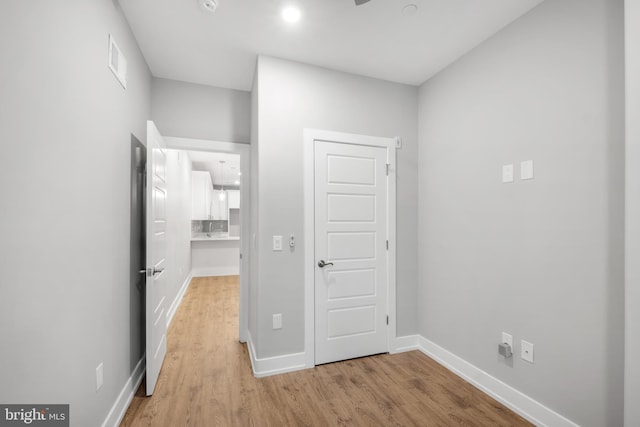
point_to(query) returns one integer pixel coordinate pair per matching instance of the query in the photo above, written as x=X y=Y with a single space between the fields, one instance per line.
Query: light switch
x=507 y=173
x=526 y=169
x=277 y=243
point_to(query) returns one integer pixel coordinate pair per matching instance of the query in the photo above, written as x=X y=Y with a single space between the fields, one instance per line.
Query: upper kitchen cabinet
x=201 y=195
x=234 y=199
x=219 y=205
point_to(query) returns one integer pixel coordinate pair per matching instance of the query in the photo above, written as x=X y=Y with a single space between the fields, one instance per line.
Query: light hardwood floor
x=206 y=381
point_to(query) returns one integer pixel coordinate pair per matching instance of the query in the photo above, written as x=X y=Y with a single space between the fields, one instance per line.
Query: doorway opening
x=220 y=213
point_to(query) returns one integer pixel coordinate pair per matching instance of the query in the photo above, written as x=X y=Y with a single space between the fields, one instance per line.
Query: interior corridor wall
x=541 y=259
x=66 y=302
x=293 y=96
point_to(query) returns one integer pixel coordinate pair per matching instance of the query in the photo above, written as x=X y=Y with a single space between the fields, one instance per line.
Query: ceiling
x=181 y=41
x=210 y=162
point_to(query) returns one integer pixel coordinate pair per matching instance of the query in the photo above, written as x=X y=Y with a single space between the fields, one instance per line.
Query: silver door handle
x=151 y=271
x=323 y=264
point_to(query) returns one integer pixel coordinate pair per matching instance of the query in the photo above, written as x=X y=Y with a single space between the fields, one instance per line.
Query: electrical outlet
x=99 y=376
x=507 y=338
x=526 y=351
x=277 y=321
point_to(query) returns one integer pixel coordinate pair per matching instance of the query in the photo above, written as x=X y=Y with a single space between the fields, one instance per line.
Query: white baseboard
x=268 y=366
x=406 y=343
x=215 y=271
x=517 y=401
x=125 y=397
x=178 y=299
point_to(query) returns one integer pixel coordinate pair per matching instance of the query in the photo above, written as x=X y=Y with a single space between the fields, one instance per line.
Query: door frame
x=310 y=136
x=244 y=150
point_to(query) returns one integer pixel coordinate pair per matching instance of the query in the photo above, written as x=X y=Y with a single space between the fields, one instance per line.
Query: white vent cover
x=117 y=62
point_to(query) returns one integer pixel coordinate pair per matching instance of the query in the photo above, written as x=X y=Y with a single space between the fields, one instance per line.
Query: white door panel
x=351 y=208
x=351 y=246
x=350 y=196
x=155 y=292
x=352 y=283
x=351 y=170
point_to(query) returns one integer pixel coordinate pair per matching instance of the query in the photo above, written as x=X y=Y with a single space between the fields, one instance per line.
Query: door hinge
x=387 y=319
x=387 y=245
x=387 y=168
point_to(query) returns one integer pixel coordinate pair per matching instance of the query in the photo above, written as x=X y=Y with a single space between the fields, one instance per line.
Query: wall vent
x=117 y=62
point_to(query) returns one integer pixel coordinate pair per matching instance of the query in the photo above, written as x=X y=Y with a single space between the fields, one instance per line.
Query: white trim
x=268 y=366
x=120 y=406
x=406 y=343
x=215 y=271
x=517 y=401
x=178 y=299
x=311 y=135
x=244 y=150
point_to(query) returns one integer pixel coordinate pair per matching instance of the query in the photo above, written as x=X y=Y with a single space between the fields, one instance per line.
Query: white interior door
x=155 y=293
x=351 y=301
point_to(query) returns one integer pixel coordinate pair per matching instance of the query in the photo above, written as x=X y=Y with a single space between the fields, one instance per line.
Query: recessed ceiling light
x=410 y=9
x=208 y=5
x=291 y=14
x=236 y=182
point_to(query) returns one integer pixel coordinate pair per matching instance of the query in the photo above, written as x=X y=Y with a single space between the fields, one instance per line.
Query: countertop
x=202 y=237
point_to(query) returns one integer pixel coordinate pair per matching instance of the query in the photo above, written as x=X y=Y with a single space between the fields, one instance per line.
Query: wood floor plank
x=206 y=380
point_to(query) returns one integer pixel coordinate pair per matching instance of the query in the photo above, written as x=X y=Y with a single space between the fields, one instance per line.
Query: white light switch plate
x=526 y=351
x=507 y=173
x=526 y=169
x=277 y=243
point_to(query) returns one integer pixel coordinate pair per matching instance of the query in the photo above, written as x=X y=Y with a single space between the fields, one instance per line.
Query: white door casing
x=155 y=291
x=349 y=218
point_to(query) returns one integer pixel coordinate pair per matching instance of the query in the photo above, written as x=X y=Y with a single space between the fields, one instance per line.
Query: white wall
x=291 y=97
x=66 y=302
x=178 y=265
x=190 y=110
x=540 y=259
x=632 y=184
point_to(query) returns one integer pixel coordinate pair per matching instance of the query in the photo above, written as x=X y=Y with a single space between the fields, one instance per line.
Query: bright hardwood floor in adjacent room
x=206 y=380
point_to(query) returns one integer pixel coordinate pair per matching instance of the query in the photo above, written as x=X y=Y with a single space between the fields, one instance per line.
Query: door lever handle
x=151 y=271
x=323 y=264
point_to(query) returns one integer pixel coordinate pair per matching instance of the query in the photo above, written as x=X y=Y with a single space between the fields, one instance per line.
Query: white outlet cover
x=507 y=173
x=526 y=351
x=99 y=376
x=277 y=321
x=507 y=338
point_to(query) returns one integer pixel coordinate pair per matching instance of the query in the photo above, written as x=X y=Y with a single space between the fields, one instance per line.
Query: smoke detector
x=208 y=5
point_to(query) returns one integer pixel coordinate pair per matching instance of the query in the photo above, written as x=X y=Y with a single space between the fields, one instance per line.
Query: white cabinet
x=219 y=207
x=201 y=195
x=234 y=199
